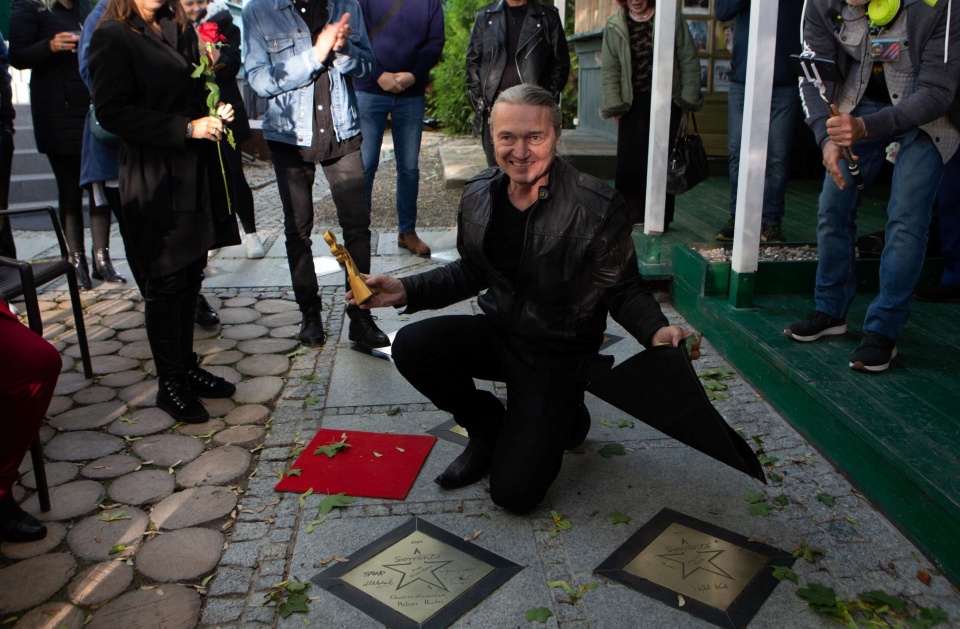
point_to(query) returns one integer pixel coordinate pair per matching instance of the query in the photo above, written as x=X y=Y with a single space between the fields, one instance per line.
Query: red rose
x=209 y=33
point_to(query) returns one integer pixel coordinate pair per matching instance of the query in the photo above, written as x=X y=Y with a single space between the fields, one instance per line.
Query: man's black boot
x=206 y=317
x=176 y=398
x=581 y=426
x=472 y=465
x=311 y=328
x=16 y=525
x=363 y=330
x=202 y=383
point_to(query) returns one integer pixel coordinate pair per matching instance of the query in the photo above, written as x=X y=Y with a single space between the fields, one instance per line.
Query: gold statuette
x=361 y=292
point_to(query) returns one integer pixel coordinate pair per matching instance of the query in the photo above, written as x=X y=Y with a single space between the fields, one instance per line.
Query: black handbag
x=687 y=165
x=101 y=135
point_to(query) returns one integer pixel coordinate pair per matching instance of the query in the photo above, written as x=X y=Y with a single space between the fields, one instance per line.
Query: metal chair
x=19 y=277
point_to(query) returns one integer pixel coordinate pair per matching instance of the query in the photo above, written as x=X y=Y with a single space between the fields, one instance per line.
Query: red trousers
x=29 y=368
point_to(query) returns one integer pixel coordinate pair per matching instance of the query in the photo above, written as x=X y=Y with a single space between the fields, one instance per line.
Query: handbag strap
x=693 y=118
x=384 y=20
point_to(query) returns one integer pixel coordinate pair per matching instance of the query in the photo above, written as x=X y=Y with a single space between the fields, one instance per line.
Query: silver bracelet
x=189 y=130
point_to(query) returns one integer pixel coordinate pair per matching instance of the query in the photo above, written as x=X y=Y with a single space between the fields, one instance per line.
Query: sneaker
x=875 y=353
x=254 y=246
x=815 y=325
x=772 y=233
x=726 y=233
x=202 y=383
x=941 y=293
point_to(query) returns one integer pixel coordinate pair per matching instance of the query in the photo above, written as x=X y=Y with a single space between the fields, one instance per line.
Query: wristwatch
x=189 y=129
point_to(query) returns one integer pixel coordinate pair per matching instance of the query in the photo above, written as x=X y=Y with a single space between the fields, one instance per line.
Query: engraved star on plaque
x=721 y=576
x=417 y=576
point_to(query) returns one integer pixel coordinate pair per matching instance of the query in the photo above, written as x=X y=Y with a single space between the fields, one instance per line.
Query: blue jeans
x=406 y=115
x=784 y=115
x=916 y=176
x=948 y=200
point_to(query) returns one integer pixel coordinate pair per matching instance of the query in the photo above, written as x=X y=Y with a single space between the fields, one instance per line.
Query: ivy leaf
x=826 y=499
x=329 y=503
x=808 y=553
x=332 y=449
x=295 y=586
x=312 y=379
x=776 y=478
x=624 y=423
x=821 y=598
x=313 y=400
x=396 y=410
x=714 y=396
x=293 y=471
x=713 y=385
x=716 y=373
x=754 y=497
x=295 y=604
x=783 y=572
x=782 y=500
x=612 y=449
x=929 y=617
x=879 y=597
x=619 y=518
x=759 y=508
x=311 y=525
x=561 y=584
x=538 y=614
x=303 y=496
x=767 y=460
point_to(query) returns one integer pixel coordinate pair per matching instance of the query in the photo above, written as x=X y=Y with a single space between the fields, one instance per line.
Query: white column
x=665 y=24
x=756 y=129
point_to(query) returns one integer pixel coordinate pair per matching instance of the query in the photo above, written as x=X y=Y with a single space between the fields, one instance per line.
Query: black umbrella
x=660 y=388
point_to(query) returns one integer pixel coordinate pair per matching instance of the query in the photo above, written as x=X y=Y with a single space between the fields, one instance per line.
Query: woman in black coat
x=43 y=38
x=172 y=191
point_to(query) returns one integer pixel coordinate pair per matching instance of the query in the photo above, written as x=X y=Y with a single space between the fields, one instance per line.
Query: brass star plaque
x=418 y=575
x=697 y=567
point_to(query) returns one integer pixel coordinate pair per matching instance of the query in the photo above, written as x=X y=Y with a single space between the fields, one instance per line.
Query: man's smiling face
x=524 y=141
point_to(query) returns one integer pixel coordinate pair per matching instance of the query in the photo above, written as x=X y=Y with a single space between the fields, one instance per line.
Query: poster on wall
x=723 y=37
x=700 y=32
x=704 y=74
x=721 y=75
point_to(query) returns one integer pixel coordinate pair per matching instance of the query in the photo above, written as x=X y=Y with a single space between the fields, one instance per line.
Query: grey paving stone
x=239 y=302
x=55 y=316
x=67 y=501
x=244 y=554
x=131 y=336
x=222 y=610
x=110 y=466
x=58 y=404
x=243 y=436
x=145 y=421
x=201 y=430
x=231 y=581
x=170 y=607
x=208 y=347
x=281 y=319
x=216 y=467
x=244 y=531
x=103 y=365
x=264 y=365
x=88 y=417
x=92 y=538
x=24 y=550
x=143 y=487
x=100 y=582
x=260 y=614
x=97 y=348
x=165 y=450
x=228 y=357
x=106 y=307
x=139 y=350
x=181 y=555
x=205 y=333
x=82 y=445
x=248 y=414
x=123 y=320
x=285 y=332
x=237 y=316
x=94 y=395
x=244 y=332
x=66 y=363
x=258 y=390
x=32 y=581
x=57 y=474
x=94 y=333
x=123 y=378
x=272 y=568
x=141 y=393
x=71 y=383
x=53 y=330
x=273 y=306
x=194 y=506
x=267 y=346
x=218 y=407
x=59 y=615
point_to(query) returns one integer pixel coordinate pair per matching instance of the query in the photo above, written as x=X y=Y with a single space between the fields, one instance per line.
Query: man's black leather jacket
x=578 y=263
x=542 y=55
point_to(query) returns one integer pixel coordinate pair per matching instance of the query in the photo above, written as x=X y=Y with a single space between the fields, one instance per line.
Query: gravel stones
x=110 y=466
x=264 y=365
x=243 y=436
x=247 y=414
x=100 y=582
x=32 y=581
x=81 y=446
x=191 y=507
x=93 y=537
x=169 y=606
x=180 y=555
x=143 y=487
x=165 y=450
x=258 y=390
x=67 y=501
x=216 y=467
x=89 y=417
x=24 y=550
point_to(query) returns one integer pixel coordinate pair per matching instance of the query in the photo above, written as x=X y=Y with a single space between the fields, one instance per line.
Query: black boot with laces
x=174 y=397
x=202 y=383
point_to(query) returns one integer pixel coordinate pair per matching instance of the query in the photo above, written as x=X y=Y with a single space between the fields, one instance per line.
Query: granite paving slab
x=94 y=537
x=143 y=487
x=180 y=555
x=100 y=582
x=59 y=615
x=167 y=606
x=32 y=581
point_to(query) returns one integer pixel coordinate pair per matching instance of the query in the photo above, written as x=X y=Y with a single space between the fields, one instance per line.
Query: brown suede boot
x=412 y=242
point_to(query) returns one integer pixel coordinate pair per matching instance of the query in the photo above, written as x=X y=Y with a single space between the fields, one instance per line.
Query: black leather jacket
x=542 y=55
x=578 y=264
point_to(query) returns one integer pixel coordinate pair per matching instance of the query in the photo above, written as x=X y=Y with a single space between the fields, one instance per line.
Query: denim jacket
x=280 y=66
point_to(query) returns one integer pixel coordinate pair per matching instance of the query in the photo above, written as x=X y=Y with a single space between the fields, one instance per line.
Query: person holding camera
x=900 y=67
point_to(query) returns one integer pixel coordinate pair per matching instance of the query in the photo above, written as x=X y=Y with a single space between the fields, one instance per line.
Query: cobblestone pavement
x=163 y=525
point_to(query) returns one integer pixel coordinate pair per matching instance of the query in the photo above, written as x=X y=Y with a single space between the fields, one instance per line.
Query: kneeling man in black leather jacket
x=552 y=249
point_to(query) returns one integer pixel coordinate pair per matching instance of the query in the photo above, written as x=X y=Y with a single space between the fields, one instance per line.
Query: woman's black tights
x=66 y=168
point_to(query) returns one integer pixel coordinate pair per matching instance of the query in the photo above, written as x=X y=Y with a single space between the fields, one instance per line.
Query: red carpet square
x=375 y=465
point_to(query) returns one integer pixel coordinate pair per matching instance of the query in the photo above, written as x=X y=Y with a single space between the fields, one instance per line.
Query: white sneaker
x=254 y=246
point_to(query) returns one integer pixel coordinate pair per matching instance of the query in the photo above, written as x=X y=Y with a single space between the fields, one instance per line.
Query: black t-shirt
x=514 y=17
x=504 y=243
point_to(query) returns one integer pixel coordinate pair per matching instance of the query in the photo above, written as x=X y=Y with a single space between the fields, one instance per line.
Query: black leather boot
x=103 y=267
x=311 y=328
x=16 y=525
x=176 y=398
x=363 y=330
x=206 y=317
x=79 y=261
x=202 y=383
x=472 y=465
x=581 y=426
